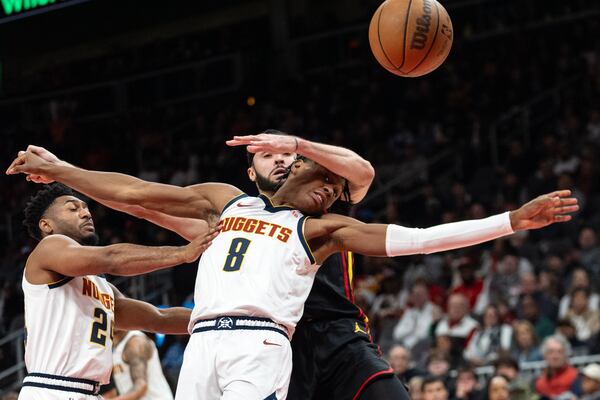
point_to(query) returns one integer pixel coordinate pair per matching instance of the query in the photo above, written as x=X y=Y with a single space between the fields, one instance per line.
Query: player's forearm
x=129 y=259
x=173 y=320
x=405 y=241
x=187 y=228
x=343 y=162
x=110 y=186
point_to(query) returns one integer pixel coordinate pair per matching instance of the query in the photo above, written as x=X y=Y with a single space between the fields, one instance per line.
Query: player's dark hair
x=39 y=203
x=250 y=156
x=432 y=379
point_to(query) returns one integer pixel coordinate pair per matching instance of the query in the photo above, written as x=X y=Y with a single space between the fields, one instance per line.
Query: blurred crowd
x=502 y=306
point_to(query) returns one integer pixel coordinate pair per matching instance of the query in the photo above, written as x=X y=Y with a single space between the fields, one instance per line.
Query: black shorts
x=334 y=360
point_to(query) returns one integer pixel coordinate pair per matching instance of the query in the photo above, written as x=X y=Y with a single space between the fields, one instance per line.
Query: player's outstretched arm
x=341 y=161
x=196 y=201
x=394 y=240
x=63 y=255
x=131 y=314
x=188 y=228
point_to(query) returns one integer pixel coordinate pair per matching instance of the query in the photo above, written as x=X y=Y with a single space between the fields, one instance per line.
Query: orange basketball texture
x=410 y=37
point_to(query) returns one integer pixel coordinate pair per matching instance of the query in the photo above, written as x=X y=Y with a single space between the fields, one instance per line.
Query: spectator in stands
x=529 y=286
x=470 y=285
x=585 y=321
x=559 y=377
x=467 y=387
x=497 y=388
x=590 y=382
x=416 y=321
x=505 y=282
x=491 y=337
x=434 y=388
x=566 y=328
x=579 y=280
x=399 y=358
x=438 y=364
x=520 y=389
x=525 y=343
x=415 y=388
x=589 y=252
x=457 y=323
x=530 y=311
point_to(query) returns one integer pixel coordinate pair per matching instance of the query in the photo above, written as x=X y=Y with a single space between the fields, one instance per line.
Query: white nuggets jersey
x=69 y=328
x=158 y=388
x=260 y=265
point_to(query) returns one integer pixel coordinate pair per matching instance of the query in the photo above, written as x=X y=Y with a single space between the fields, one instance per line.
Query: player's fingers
x=568 y=201
x=560 y=193
x=234 y=142
x=20 y=153
x=16 y=163
x=245 y=137
x=562 y=218
x=255 y=148
x=566 y=209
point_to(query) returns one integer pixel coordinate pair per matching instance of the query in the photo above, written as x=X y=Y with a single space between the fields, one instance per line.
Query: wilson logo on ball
x=422 y=29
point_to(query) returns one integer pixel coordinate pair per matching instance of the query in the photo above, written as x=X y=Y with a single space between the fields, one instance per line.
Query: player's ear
x=45 y=227
x=252 y=174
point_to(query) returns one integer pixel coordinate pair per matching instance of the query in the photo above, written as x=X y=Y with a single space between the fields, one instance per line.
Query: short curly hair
x=39 y=203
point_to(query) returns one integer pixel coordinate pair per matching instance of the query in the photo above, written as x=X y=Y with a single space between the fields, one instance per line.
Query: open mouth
x=278 y=172
x=319 y=199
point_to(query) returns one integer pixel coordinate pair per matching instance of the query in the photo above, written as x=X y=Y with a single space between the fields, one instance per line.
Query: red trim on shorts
x=369 y=379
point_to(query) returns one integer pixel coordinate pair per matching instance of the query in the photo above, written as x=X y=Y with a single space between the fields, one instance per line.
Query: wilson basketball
x=410 y=37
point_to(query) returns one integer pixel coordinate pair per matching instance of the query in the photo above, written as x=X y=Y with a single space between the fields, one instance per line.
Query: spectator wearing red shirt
x=559 y=377
x=471 y=287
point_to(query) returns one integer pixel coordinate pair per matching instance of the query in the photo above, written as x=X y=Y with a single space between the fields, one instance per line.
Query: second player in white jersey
x=250 y=292
x=157 y=387
x=69 y=334
x=258 y=265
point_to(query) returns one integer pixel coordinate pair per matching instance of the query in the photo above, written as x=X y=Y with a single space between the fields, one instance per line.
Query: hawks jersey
x=69 y=327
x=158 y=388
x=259 y=265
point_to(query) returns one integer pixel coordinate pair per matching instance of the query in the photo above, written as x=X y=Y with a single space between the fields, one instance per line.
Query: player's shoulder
x=52 y=243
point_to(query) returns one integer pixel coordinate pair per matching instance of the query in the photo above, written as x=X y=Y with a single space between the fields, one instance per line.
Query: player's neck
x=282 y=197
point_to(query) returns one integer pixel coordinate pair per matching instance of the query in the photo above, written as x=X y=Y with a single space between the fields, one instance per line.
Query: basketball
x=410 y=38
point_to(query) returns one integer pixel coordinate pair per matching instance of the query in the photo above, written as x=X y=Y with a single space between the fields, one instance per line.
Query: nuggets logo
x=90 y=289
x=251 y=225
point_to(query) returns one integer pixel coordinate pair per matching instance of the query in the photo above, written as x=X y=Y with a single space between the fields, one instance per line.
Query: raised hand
x=27 y=162
x=266 y=142
x=46 y=155
x=544 y=210
x=192 y=250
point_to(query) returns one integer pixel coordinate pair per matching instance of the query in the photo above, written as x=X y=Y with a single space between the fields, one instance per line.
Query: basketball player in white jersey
x=136 y=367
x=70 y=308
x=252 y=282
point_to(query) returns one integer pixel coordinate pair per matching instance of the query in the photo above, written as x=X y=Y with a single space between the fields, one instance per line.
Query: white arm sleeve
x=401 y=241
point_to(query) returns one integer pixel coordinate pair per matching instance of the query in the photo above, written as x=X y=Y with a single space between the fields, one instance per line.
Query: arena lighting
x=11 y=10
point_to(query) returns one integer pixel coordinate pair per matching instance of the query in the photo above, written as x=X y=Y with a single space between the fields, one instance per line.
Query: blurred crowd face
x=528 y=283
x=458 y=307
x=579 y=302
x=529 y=308
x=589 y=385
x=466 y=382
x=580 y=279
x=498 y=389
x=491 y=317
x=508 y=371
x=414 y=388
x=420 y=296
x=435 y=391
x=510 y=264
x=555 y=354
x=524 y=335
x=587 y=239
x=438 y=367
x=399 y=359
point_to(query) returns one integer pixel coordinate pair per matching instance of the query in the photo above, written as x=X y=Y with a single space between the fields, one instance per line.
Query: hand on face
x=266 y=142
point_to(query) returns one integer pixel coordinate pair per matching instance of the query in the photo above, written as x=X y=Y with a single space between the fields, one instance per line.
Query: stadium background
x=154 y=89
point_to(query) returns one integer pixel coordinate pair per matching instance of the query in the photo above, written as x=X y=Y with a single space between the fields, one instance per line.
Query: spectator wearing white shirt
x=457 y=324
x=490 y=339
x=416 y=320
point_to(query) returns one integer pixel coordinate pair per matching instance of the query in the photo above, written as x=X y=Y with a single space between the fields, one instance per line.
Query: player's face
x=268 y=170
x=71 y=217
x=316 y=188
